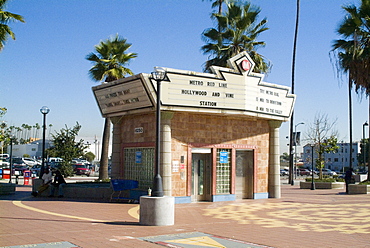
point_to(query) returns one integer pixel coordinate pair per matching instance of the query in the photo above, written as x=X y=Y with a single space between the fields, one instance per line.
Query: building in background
x=33 y=149
x=338 y=161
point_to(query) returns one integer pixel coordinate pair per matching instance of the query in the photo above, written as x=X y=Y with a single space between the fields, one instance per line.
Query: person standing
x=348 y=178
x=59 y=182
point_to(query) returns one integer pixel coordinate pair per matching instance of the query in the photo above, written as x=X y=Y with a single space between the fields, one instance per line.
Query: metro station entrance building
x=219 y=132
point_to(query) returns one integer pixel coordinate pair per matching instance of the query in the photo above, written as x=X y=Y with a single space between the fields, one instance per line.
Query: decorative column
x=166 y=158
x=116 y=169
x=274 y=161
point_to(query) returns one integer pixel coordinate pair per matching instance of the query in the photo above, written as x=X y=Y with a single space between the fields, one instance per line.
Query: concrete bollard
x=157 y=211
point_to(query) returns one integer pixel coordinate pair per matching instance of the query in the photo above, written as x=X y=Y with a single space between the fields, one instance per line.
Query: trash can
x=1 y=173
x=6 y=173
x=26 y=177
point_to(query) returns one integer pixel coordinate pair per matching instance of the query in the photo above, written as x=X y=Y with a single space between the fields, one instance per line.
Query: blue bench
x=124 y=189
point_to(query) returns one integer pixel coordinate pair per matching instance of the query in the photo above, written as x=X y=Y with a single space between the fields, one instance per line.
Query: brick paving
x=301 y=218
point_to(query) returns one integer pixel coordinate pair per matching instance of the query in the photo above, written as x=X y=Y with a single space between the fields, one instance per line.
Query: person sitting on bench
x=59 y=182
x=47 y=178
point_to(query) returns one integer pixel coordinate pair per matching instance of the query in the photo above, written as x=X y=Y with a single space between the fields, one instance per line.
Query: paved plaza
x=301 y=218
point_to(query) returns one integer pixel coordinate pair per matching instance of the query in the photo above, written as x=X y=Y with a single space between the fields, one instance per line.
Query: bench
x=124 y=189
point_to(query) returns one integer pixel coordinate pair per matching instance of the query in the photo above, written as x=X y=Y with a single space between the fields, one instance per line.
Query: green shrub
x=325 y=180
x=66 y=169
x=365 y=182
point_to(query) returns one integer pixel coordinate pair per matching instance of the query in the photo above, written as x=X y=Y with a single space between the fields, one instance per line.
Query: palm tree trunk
x=350 y=122
x=368 y=157
x=103 y=170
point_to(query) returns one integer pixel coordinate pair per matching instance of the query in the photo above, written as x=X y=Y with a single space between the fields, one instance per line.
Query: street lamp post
x=11 y=158
x=295 y=147
x=312 y=183
x=44 y=111
x=363 y=142
x=158 y=75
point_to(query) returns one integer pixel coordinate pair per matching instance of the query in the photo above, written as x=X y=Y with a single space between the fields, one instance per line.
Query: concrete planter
x=86 y=191
x=323 y=185
x=99 y=191
x=7 y=188
x=358 y=189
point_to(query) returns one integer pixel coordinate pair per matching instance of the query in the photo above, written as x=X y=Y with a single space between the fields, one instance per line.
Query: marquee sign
x=123 y=95
x=236 y=90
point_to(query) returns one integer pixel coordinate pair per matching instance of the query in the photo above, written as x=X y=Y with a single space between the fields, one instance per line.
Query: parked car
x=30 y=161
x=284 y=173
x=54 y=160
x=4 y=156
x=328 y=172
x=54 y=165
x=81 y=169
x=19 y=169
x=36 y=169
x=18 y=161
x=4 y=163
x=304 y=172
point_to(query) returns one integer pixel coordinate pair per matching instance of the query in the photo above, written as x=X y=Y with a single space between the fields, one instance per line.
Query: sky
x=46 y=65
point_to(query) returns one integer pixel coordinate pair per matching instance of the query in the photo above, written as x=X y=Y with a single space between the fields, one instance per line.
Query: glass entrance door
x=201 y=177
x=244 y=174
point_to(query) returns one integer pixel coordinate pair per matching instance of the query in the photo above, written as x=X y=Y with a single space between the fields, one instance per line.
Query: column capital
x=167 y=115
x=275 y=124
x=116 y=120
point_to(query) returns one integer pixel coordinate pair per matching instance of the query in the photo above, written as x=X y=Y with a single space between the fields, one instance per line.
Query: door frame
x=206 y=155
x=213 y=148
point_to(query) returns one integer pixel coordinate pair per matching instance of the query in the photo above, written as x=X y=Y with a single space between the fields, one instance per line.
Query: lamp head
x=159 y=74
x=366 y=124
x=44 y=110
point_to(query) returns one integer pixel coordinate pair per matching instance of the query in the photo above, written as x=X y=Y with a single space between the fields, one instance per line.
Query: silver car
x=328 y=172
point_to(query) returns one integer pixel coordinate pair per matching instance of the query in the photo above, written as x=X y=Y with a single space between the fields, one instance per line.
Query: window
x=335 y=159
x=139 y=166
x=223 y=168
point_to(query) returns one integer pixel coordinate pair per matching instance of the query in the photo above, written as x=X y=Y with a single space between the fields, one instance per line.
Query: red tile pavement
x=301 y=218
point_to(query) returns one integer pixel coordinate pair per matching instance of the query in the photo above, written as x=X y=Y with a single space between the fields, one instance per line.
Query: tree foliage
x=110 y=60
x=5 y=18
x=20 y=135
x=352 y=52
x=66 y=147
x=89 y=156
x=237 y=30
x=362 y=156
x=323 y=135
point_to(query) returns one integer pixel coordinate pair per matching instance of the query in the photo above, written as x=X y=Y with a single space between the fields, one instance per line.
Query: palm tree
x=218 y=4
x=352 y=53
x=237 y=31
x=5 y=18
x=110 y=63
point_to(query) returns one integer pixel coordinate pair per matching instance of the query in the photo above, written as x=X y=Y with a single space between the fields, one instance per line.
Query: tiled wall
x=189 y=128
